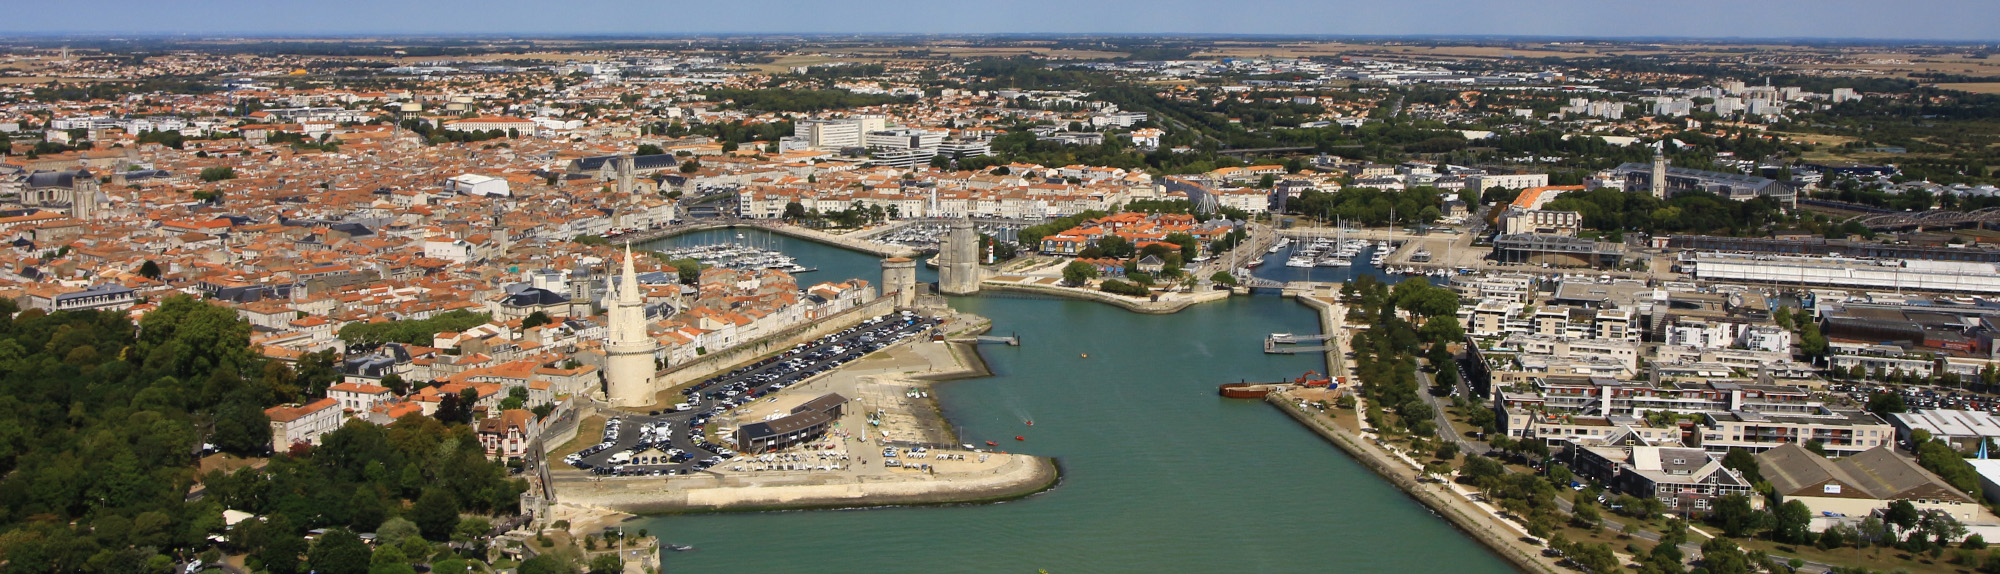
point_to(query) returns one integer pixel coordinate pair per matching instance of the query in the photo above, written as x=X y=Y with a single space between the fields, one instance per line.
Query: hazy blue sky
x=1908 y=19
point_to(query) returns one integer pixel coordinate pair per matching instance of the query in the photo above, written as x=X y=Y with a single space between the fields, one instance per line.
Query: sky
x=1959 y=20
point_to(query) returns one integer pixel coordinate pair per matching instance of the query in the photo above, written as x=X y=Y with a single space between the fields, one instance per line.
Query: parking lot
x=673 y=442
x=1921 y=397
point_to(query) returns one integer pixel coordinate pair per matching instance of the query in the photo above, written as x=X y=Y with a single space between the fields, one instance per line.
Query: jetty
x=1010 y=340
x=1291 y=344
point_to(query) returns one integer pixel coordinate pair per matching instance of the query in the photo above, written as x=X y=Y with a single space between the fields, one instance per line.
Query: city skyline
x=1942 y=20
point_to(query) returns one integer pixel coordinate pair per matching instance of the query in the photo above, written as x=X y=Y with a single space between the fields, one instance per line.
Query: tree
x=535 y=319
x=436 y=514
x=1902 y=514
x=472 y=528
x=1742 y=461
x=1481 y=470
x=794 y=211
x=1794 y=521
x=1886 y=402
x=396 y=384
x=1941 y=528
x=339 y=552
x=1560 y=476
x=1783 y=317
x=394 y=530
x=1811 y=342
x=606 y=564
x=365 y=510
x=280 y=553
x=240 y=427
x=1722 y=556
x=1223 y=277
x=1077 y=273
x=1734 y=514
x=1190 y=247
x=517 y=397
x=149 y=270
x=1594 y=557
x=218 y=173
x=649 y=149
x=545 y=564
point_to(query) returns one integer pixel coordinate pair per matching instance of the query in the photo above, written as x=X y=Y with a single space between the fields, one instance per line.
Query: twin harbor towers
x=632 y=369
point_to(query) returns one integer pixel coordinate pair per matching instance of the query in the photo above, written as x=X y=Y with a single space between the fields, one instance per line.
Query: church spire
x=628 y=282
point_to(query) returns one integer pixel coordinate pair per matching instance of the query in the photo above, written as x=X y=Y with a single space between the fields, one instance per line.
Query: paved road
x=736 y=388
x=1438 y=405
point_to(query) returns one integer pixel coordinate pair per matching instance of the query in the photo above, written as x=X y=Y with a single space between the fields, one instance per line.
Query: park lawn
x=1882 y=559
x=589 y=431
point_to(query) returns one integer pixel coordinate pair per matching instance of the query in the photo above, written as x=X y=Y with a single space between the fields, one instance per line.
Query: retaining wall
x=1161 y=307
x=1496 y=537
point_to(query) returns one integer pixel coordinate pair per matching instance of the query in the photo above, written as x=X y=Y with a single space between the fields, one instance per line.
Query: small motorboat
x=1031 y=423
x=1086 y=355
x=1020 y=438
x=991 y=443
x=679 y=548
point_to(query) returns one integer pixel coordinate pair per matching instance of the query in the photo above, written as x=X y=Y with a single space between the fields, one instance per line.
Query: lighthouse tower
x=628 y=349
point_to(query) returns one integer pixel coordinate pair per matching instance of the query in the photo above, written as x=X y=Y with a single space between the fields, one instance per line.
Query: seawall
x=1332 y=317
x=1482 y=527
x=1161 y=307
x=1019 y=477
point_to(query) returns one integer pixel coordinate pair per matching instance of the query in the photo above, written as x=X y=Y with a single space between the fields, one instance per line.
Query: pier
x=1010 y=340
x=1292 y=342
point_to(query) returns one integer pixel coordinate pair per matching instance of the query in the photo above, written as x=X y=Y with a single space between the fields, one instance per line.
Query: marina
x=738 y=256
x=1120 y=456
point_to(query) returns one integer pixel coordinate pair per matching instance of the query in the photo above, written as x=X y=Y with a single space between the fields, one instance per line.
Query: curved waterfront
x=1160 y=474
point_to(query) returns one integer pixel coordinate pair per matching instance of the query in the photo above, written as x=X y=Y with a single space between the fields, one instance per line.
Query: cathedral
x=74 y=192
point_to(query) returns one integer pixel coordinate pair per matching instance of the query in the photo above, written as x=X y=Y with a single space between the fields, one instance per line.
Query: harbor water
x=1160 y=474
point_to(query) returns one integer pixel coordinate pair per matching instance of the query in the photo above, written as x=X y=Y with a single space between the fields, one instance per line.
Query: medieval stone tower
x=899 y=280
x=628 y=349
x=627 y=171
x=958 y=260
x=1659 y=181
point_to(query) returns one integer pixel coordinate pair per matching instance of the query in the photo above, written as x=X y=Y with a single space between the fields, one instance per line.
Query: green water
x=1160 y=474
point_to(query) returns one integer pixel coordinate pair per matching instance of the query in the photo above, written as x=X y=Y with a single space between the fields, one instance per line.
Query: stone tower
x=628 y=349
x=899 y=279
x=626 y=169
x=1659 y=183
x=83 y=197
x=958 y=260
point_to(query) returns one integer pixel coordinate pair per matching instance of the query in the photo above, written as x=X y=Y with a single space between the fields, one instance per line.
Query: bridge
x=1010 y=340
x=1255 y=282
x=1271 y=344
x=1934 y=218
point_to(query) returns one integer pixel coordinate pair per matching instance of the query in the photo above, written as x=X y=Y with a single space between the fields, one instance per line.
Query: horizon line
x=7 y=36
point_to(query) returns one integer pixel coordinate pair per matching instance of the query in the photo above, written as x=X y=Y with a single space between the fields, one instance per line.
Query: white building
x=1509 y=181
x=292 y=424
x=481 y=185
